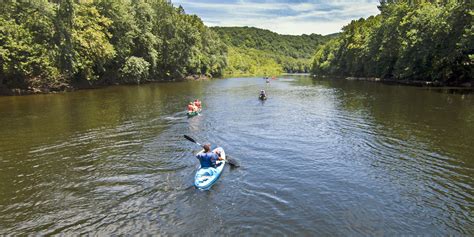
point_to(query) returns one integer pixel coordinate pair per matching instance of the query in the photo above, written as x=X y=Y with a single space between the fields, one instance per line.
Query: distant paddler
x=262 y=95
x=197 y=103
x=192 y=107
x=192 y=110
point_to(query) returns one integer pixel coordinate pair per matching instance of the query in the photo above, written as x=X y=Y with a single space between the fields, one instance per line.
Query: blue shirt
x=207 y=159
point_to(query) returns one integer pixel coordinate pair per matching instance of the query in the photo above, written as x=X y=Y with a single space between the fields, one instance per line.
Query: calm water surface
x=319 y=157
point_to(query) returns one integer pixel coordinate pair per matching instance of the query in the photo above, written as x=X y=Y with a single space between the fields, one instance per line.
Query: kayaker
x=191 y=107
x=208 y=158
x=263 y=94
x=197 y=103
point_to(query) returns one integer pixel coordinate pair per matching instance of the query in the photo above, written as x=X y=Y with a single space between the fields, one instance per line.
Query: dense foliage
x=246 y=62
x=135 y=69
x=59 y=43
x=408 y=40
x=56 y=44
x=291 y=53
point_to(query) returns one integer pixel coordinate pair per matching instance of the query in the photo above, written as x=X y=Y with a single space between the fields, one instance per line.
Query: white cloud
x=323 y=17
x=302 y=7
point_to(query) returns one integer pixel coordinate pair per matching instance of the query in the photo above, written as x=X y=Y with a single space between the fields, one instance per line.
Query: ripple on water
x=318 y=158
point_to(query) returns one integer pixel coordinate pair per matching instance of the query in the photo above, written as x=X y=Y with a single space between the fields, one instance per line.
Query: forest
x=56 y=45
x=409 y=40
x=53 y=45
x=263 y=52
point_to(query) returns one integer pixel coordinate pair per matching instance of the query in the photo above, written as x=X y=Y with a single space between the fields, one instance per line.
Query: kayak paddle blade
x=232 y=161
x=191 y=140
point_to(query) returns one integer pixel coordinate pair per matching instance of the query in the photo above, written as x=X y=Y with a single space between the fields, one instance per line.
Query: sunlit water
x=319 y=157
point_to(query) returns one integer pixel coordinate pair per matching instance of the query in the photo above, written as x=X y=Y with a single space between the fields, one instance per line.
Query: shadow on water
x=456 y=91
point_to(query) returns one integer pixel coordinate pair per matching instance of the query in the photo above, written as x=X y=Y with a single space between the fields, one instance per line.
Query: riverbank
x=465 y=85
x=84 y=85
x=411 y=82
x=5 y=91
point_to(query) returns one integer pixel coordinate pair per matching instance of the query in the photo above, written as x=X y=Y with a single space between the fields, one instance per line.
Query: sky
x=294 y=17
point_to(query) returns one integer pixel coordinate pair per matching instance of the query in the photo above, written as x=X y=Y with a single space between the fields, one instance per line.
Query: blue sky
x=285 y=17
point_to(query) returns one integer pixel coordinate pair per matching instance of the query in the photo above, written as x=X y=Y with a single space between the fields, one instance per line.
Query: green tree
x=408 y=40
x=123 y=30
x=292 y=53
x=26 y=52
x=135 y=70
x=60 y=43
x=90 y=40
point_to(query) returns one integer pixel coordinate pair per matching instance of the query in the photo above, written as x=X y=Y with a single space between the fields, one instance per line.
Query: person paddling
x=263 y=95
x=208 y=158
x=191 y=107
x=197 y=103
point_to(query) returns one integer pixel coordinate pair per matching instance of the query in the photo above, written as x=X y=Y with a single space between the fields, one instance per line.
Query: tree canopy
x=56 y=44
x=51 y=43
x=408 y=40
x=288 y=53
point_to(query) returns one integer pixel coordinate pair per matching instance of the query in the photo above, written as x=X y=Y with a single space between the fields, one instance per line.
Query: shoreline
x=84 y=85
x=101 y=84
x=411 y=83
x=433 y=84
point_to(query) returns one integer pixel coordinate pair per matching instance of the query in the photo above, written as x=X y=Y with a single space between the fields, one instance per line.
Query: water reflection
x=319 y=157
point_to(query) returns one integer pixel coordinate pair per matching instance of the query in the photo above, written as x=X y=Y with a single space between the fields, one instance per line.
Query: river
x=319 y=157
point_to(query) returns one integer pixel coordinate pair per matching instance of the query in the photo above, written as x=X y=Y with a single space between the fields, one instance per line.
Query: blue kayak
x=206 y=177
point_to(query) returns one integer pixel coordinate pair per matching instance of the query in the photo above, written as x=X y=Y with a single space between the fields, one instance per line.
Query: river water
x=319 y=157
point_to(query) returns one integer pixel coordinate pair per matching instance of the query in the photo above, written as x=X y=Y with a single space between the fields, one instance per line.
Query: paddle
x=192 y=140
x=228 y=159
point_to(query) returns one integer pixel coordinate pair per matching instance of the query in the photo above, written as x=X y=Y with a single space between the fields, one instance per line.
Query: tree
x=90 y=40
x=408 y=40
x=55 y=43
x=134 y=70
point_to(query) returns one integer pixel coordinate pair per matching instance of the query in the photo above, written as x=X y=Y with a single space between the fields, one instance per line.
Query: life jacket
x=207 y=159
